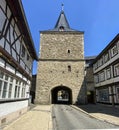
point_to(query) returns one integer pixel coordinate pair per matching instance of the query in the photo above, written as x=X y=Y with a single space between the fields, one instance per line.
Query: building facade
x=106 y=73
x=89 y=79
x=60 y=77
x=17 y=53
x=33 y=88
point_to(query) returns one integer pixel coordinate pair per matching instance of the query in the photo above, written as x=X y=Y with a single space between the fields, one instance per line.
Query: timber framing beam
x=5 y=55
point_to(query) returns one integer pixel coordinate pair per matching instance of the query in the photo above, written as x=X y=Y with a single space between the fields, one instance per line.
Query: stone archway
x=61 y=95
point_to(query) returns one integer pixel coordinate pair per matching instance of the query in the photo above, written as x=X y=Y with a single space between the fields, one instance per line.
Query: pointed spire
x=62 y=22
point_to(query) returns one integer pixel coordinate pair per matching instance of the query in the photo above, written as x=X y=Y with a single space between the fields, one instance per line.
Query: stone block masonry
x=61 y=63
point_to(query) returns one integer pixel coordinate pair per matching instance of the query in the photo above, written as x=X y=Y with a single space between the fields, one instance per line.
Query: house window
x=118 y=45
x=2 y=20
x=69 y=68
x=102 y=76
x=23 y=91
x=27 y=57
x=96 y=78
x=0 y=87
x=96 y=65
x=106 y=57
x=6 y=77
x=114 y=51
x=1 y=75
x=23 y=51
x=116 y=70
x=108 y=73
x=117 y=92
x=103 y=95
x=15 y=93
x=4 y=94
x=11 y=79
x=7 y=89
x=100 y=62
x=18 y=93
x=10 y=91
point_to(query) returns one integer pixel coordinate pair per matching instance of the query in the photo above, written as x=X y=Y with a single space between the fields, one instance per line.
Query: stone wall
x=56 y=46
x=12 y=110
x=89 y=78
x=53 y=66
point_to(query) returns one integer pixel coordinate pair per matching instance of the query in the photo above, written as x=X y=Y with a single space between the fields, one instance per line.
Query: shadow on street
x=100 y=108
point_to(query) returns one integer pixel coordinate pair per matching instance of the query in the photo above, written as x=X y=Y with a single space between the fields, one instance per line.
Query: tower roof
x=62 y=24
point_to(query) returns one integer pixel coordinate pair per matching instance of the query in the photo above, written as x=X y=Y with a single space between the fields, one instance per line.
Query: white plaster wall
x=2 y=62
x=7 y=108
x=10 y=68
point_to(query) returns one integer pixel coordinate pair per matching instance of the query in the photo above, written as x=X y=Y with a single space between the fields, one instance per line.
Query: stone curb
x=96 y=117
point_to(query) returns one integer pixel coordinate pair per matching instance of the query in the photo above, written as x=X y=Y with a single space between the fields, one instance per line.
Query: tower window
x=61 y=28
x=69 y=68
x=68 y=51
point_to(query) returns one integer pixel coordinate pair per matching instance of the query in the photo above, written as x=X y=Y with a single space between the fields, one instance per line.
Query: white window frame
x=108 y=73
x=96 y=79
x=117 y=94
x=102 y=76
x=116 y=70
x=6 y=79
x=114 y=51
x=106 y=57
x=104 y=92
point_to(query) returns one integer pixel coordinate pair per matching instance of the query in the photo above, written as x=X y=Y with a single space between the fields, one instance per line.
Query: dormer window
x=61 y=28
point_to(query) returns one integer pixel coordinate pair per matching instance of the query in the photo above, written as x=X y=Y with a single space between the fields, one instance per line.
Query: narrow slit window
x=68 y=51
x=69 y=68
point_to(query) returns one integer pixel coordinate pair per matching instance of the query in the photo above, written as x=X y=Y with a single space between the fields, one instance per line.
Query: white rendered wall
x=7 y=108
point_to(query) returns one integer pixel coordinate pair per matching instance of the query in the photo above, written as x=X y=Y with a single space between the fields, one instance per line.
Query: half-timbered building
x=106 y=73
x=17 y=53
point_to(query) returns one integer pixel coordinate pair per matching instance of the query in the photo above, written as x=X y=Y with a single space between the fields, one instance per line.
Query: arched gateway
x=61 y=64
x=61 y=95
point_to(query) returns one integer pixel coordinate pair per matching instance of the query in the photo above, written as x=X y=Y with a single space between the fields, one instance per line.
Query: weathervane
x=62 y=7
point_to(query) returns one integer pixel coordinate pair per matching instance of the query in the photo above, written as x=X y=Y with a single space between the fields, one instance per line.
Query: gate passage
x=61 y=95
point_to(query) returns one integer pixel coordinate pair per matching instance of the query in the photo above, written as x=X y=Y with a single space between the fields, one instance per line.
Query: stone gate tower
x=61 y=65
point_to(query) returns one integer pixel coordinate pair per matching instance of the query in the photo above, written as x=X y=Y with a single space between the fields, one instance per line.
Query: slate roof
x=62 y=25
x=62 y=22
x=90 y=57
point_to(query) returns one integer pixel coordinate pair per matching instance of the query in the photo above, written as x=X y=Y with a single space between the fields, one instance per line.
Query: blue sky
x=99 y=19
